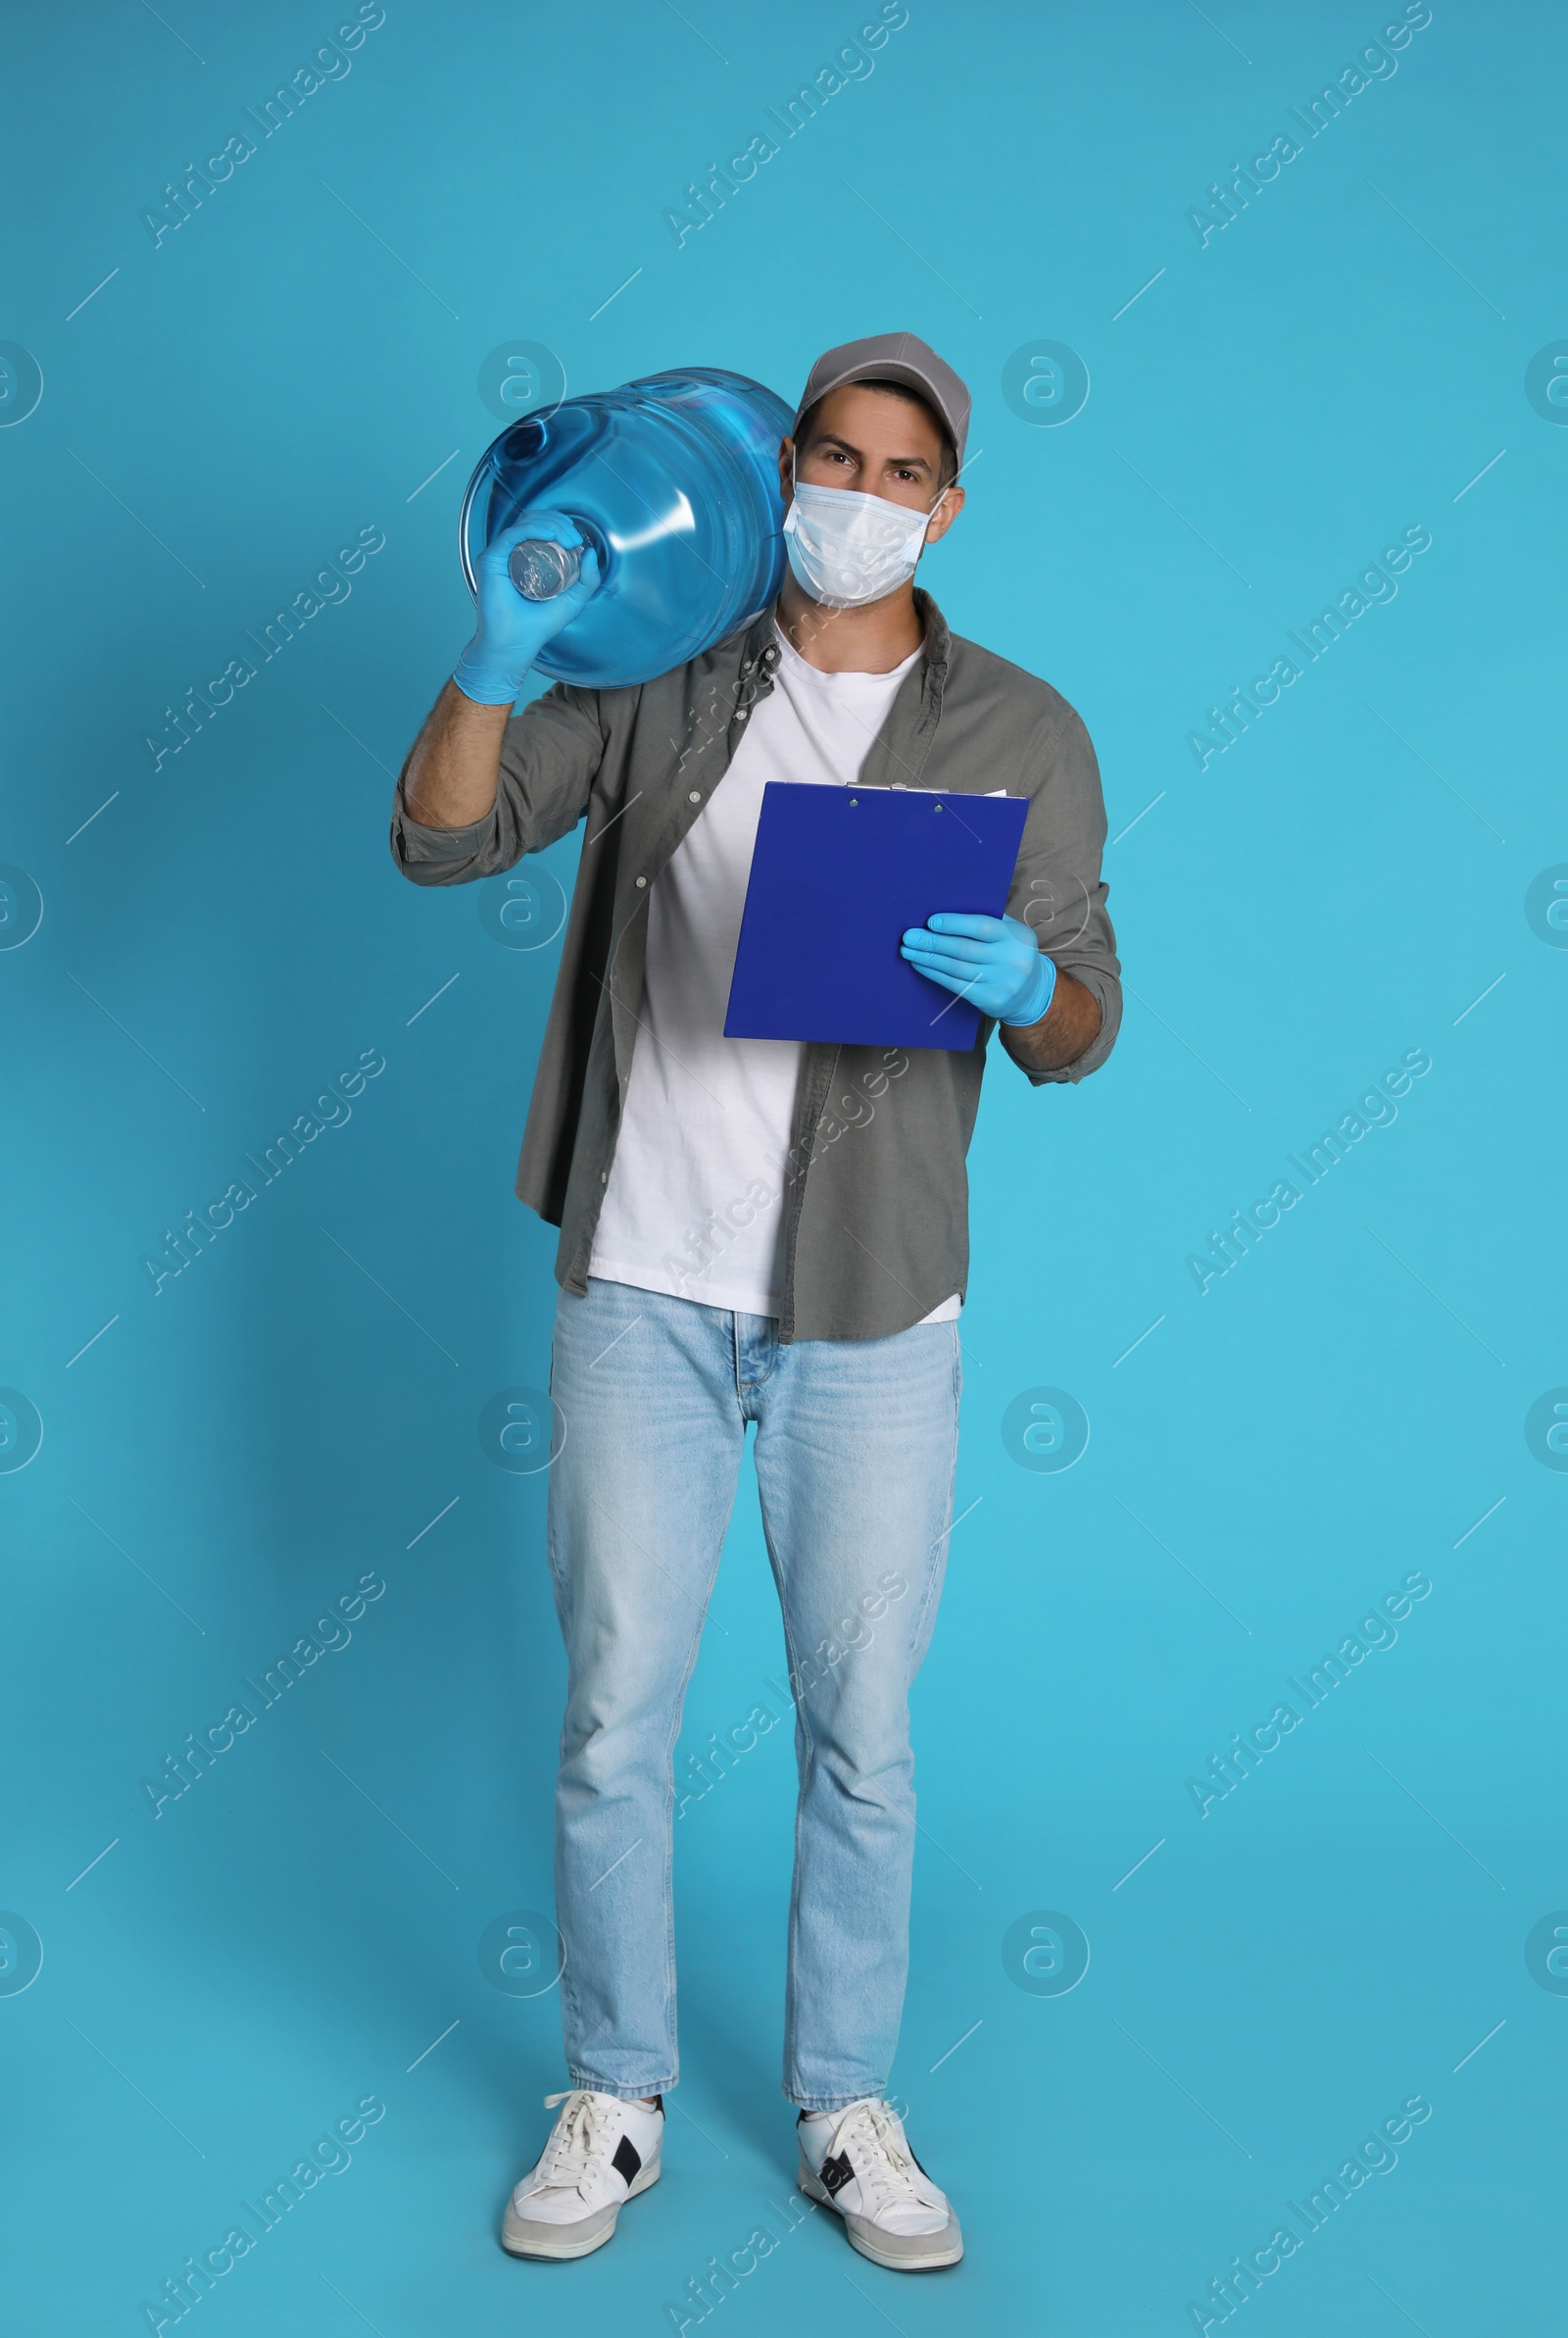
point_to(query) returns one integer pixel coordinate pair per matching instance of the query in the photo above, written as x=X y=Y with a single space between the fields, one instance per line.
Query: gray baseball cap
x=893 y=357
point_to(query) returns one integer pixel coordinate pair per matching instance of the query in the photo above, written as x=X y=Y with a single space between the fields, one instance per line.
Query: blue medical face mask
x=847 y=549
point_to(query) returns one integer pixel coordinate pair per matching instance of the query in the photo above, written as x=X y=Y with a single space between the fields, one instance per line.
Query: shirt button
x=640 y=881
x=695 y=797
x=742 y=714
x=604 y=1176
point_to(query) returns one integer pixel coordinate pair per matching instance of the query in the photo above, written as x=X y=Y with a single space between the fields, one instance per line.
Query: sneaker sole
x=922 y=2253
x=559 y=2242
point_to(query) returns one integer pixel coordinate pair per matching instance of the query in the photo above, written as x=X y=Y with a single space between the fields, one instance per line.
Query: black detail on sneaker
x=908 y=2147
x=658 y=2102
x=628 y=2159
x=835 y=2173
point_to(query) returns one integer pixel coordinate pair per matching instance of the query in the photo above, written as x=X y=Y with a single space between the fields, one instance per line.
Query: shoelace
x=577 y=2143
x=890 y=2174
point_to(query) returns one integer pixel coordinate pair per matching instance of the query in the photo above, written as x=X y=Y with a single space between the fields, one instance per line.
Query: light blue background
x=1339 y=363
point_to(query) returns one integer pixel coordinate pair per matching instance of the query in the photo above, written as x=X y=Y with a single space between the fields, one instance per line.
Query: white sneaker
x=601 y=2152
x=859 y=2161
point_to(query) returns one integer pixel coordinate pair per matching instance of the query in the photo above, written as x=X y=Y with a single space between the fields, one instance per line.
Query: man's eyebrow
x=900 y=462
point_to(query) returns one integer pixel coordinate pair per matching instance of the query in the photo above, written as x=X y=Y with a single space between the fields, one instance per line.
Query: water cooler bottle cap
x=894 y=357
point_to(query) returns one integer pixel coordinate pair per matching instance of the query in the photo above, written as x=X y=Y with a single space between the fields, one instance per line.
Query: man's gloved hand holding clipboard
x=994 y=963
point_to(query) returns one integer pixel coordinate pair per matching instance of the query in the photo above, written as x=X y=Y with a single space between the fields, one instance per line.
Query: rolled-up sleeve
x=550 y=757
x=1058 y=888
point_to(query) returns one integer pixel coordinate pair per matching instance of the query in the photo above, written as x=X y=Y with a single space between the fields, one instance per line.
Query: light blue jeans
x=857 y=1441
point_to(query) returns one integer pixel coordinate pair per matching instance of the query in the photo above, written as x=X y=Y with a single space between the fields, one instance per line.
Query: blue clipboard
x=838 y=874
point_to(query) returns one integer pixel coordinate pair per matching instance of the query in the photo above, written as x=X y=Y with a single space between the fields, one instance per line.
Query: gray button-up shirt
x=876 y=1207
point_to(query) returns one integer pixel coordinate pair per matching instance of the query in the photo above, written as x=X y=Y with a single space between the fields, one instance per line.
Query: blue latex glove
x=994 y=963
x=494 y=666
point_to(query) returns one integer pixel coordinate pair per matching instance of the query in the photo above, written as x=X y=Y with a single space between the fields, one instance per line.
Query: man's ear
x=951 y=506
x=786 y=467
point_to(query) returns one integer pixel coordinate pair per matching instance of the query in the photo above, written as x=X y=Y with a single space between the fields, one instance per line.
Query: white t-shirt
x=694 y=1204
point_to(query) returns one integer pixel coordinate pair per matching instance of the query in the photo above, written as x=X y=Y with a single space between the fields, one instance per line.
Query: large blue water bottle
x=673 y=480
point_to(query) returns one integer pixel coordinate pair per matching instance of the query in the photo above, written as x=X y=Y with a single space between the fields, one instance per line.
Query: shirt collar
x=759 y=650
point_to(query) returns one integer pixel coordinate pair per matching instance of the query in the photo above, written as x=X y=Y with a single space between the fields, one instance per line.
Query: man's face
x=877 y=445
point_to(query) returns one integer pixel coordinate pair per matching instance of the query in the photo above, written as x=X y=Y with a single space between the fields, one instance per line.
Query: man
x=754 y=1231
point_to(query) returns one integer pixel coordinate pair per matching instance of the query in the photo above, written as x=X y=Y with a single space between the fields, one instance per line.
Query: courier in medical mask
x=822 y=1304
